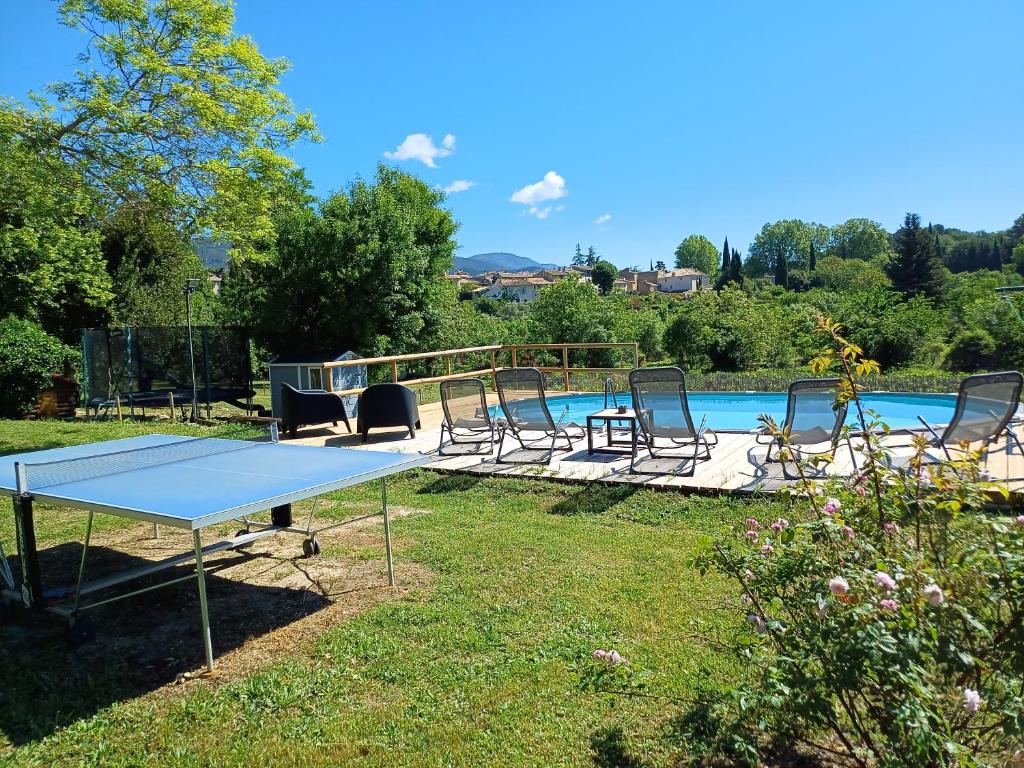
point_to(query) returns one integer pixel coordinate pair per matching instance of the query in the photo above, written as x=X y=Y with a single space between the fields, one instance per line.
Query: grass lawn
x=479 y=665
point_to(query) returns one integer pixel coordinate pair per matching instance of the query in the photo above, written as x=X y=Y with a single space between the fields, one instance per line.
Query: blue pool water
x=739 y=410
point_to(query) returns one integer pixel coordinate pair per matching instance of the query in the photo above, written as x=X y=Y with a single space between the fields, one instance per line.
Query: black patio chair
x=525 y=407
x=387 y=405
x=466 y=418
x=663 y=413
x=306 y=407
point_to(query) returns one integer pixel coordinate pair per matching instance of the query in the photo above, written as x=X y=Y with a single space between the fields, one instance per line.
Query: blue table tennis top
x=205 y=490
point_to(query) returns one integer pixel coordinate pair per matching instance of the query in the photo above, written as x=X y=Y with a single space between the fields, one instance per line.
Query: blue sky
x=667 y=118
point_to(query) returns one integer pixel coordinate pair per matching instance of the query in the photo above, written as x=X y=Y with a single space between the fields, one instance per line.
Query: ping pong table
x=182 y=482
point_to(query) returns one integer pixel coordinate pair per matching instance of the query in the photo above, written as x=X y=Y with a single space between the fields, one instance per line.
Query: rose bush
x=884 y=619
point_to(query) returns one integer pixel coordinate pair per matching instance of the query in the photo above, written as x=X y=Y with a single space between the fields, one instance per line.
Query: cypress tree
x=781 y=269
x=812 y=257
x=736 y=267
x=725 y=257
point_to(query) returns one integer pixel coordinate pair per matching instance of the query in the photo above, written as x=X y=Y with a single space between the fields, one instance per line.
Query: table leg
x=387 y=530
x=203 y=608
x=608 y=432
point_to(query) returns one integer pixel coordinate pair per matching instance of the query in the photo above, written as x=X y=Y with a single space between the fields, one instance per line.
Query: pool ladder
x=609 y=391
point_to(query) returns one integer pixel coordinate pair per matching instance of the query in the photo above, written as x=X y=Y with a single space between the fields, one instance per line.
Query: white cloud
x=604 y=218
x=419 y=146
x=540 y=213
x=551 y=187
x=459 y=185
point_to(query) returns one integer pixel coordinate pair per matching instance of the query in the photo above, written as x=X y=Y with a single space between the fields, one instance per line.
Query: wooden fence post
x=565 y=367
x=494 y=372
x=636 y=355
x=515 y=357
x=394 y=371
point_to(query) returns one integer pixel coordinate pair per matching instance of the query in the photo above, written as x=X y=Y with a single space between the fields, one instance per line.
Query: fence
x=490 y=354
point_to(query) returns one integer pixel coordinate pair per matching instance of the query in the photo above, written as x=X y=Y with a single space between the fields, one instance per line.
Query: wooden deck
x=736 y=465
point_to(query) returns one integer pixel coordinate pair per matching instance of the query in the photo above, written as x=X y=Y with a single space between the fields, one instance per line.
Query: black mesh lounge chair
x=521 y=394
x=986 y=406
x=663 y=413
x=467 y=419
x=812 y=419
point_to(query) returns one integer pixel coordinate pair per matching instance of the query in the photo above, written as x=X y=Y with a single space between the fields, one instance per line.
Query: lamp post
x=191 y=286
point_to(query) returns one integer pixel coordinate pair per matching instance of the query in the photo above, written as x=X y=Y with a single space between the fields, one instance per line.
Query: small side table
x=609 y=416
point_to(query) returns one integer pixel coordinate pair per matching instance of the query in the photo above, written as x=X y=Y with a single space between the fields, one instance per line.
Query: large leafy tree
x=789 y=239
x=171 y=105
x=604 y=275
x=857 y=239
x=697 y=252
x=363 y=272
x=915 y=268
x=51 y=267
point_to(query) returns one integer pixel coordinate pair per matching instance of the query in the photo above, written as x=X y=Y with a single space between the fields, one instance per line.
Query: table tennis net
x=54 y=473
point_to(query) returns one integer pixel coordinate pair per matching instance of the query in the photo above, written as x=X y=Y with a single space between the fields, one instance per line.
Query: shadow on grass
x=451 y=484
x=593 y=499
x=142 y=643
x=608 y=749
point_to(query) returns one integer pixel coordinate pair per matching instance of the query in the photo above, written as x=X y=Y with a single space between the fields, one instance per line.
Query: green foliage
x=860 y=239
x=789 y=240
x=364 y=272
x=842 y=275
x=171 y=102
x=697 y=252
x=28 y=355
x=51 y=267
x=149 y=261
x=883 y=624
x=972 y=350
x=915 y=268
x=730 y=331
x=604 y=275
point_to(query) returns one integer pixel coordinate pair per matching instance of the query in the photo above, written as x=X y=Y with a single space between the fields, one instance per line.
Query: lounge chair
x=521 y=394
x=986 y=407
x=387 y=405
x=466 y=417
x=812 y=418
x=663 y=413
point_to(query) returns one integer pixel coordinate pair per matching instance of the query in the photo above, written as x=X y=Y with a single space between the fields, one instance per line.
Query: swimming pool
x=739 y=410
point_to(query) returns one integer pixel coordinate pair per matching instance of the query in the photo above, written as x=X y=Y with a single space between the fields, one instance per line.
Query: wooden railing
x=450 y=356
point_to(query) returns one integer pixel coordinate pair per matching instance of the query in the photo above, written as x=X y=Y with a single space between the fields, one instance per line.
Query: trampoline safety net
x=144 y=366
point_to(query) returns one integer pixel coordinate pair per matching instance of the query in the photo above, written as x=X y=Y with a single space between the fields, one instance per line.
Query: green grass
x=482 y=667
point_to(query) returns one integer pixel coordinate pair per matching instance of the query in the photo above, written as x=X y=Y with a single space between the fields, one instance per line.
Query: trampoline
x=149 y=367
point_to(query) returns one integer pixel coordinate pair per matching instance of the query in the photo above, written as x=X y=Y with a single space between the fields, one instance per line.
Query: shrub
x=972 y=350
x=28 y=356
x=884 y=624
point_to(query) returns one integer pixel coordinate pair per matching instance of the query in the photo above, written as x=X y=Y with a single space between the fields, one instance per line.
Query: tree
x=914 y=268
x=790 y=238
x=363 y=273
x=578 y=259
x=736 y=267
x=660 y=266
x=1017 y=231
x=697 y=252
x=173 y=105
x=591 y=258
x=604 y=276
x=51 y=266
x=861 y=239
x=812 y=257
x=723 y=278
x=781 y=269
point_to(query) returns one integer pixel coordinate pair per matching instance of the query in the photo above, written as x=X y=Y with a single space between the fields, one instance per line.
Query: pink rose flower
x=972 y=700
x=599 y=654
x=614 y=658
x=885 y=581
x=933 y=593
x=891 y=528
x=838 y=586
x=861 y=491
x=889 y=605
x=767 y=549
x=752 y=535
x=1020 y=519
x=848 y=532
x=752 y=523
x=832 y=506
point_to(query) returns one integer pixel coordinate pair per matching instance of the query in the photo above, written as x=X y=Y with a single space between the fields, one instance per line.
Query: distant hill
x=504 y=262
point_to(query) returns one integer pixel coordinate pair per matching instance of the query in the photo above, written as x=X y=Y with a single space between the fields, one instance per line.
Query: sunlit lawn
x=482 y=667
